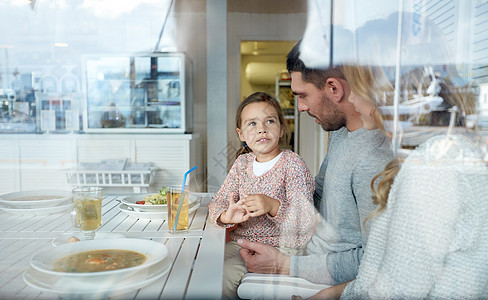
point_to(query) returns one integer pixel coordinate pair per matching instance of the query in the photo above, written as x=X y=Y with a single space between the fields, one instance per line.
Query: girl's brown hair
x=263 y=97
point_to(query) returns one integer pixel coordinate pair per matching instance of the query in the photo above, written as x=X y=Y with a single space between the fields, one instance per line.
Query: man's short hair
x=317 y=77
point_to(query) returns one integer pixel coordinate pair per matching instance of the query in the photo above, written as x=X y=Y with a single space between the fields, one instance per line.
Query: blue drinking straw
x=181 y=201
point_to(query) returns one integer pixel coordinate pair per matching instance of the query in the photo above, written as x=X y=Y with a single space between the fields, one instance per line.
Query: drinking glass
x=175 y=197
x=87 y=210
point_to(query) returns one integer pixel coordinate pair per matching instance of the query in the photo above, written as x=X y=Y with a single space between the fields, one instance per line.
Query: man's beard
x=334 y=119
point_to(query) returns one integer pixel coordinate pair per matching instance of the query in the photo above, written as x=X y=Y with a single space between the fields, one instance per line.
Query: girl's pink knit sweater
x=290 y=182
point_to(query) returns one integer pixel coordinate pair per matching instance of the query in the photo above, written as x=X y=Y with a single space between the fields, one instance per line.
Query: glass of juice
x=177 y=201
x=87 y=210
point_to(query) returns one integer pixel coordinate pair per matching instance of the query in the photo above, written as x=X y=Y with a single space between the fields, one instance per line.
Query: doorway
x=263 y=68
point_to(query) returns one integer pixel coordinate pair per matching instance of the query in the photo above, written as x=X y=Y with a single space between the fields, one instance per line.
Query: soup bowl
x=105 y=288
x=153 y=251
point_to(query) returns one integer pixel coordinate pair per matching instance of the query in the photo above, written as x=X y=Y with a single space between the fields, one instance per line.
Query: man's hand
x=258 y=205
x=262 y=258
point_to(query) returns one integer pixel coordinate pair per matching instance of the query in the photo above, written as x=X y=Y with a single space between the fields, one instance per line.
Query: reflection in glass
x=432 y=61
x=136 y=91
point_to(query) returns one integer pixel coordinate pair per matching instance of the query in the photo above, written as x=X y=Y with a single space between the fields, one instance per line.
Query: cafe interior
x=120 y=100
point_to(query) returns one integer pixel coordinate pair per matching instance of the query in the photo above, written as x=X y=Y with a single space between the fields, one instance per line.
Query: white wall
x=217 y=92
x=36 y=162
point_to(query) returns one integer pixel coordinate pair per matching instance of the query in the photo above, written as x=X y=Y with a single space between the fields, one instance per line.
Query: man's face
x=317 y=104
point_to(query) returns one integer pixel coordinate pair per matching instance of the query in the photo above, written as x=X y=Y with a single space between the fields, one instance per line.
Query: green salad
x=158 y=198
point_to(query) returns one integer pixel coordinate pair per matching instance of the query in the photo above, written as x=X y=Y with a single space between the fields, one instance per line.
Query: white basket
x=136 y=176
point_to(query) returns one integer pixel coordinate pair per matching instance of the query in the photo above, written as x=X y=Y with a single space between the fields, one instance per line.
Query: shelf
x=287 y=101
x=165 y=103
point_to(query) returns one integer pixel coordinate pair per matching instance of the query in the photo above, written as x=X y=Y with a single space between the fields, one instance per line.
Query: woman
x=429 y=234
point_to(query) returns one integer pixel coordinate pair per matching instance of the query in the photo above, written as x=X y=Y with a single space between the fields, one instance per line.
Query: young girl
x=268 y=192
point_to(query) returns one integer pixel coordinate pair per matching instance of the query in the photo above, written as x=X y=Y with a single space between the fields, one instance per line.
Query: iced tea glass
x=87 y=210
x=175 y=197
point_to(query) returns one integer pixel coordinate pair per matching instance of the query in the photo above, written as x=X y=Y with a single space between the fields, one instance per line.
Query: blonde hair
x=380 y=194
x=371 y=84
x=263 y=97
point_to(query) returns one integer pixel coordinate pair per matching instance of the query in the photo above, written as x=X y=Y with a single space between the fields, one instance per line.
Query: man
x=342 y=187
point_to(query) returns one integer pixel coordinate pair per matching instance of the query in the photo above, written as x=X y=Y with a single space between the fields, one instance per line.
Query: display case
x=149 y=92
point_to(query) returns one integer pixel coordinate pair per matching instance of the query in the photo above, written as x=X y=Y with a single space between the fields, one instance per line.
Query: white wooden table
x=197 y=256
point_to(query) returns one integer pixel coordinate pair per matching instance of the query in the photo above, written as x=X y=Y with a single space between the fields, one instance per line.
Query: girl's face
x=261 y=130
x=366 y=109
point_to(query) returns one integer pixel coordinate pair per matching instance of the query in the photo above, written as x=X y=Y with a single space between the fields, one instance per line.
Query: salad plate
x=153 y=215
x=149 y=215
x=134 y=201
x=36 y=198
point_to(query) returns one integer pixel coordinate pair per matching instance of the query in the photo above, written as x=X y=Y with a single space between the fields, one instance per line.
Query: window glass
x=41 y=53
x=429 y=59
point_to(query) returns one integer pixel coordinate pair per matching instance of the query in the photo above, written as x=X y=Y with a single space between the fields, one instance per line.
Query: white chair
x=273 y=286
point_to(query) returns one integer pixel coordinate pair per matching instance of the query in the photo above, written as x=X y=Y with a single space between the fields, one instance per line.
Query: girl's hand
x=235 y=213
x=258 y=205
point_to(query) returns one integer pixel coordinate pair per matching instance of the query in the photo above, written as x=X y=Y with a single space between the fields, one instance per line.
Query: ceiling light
x=60 y=44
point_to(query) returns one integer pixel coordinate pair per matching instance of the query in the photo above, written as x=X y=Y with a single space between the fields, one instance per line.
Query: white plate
x=153 y=215
x=100 y=289
x=131 y=201
x=154 y=252
x=37 y=211
x=36 y=199
x=150 y=215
